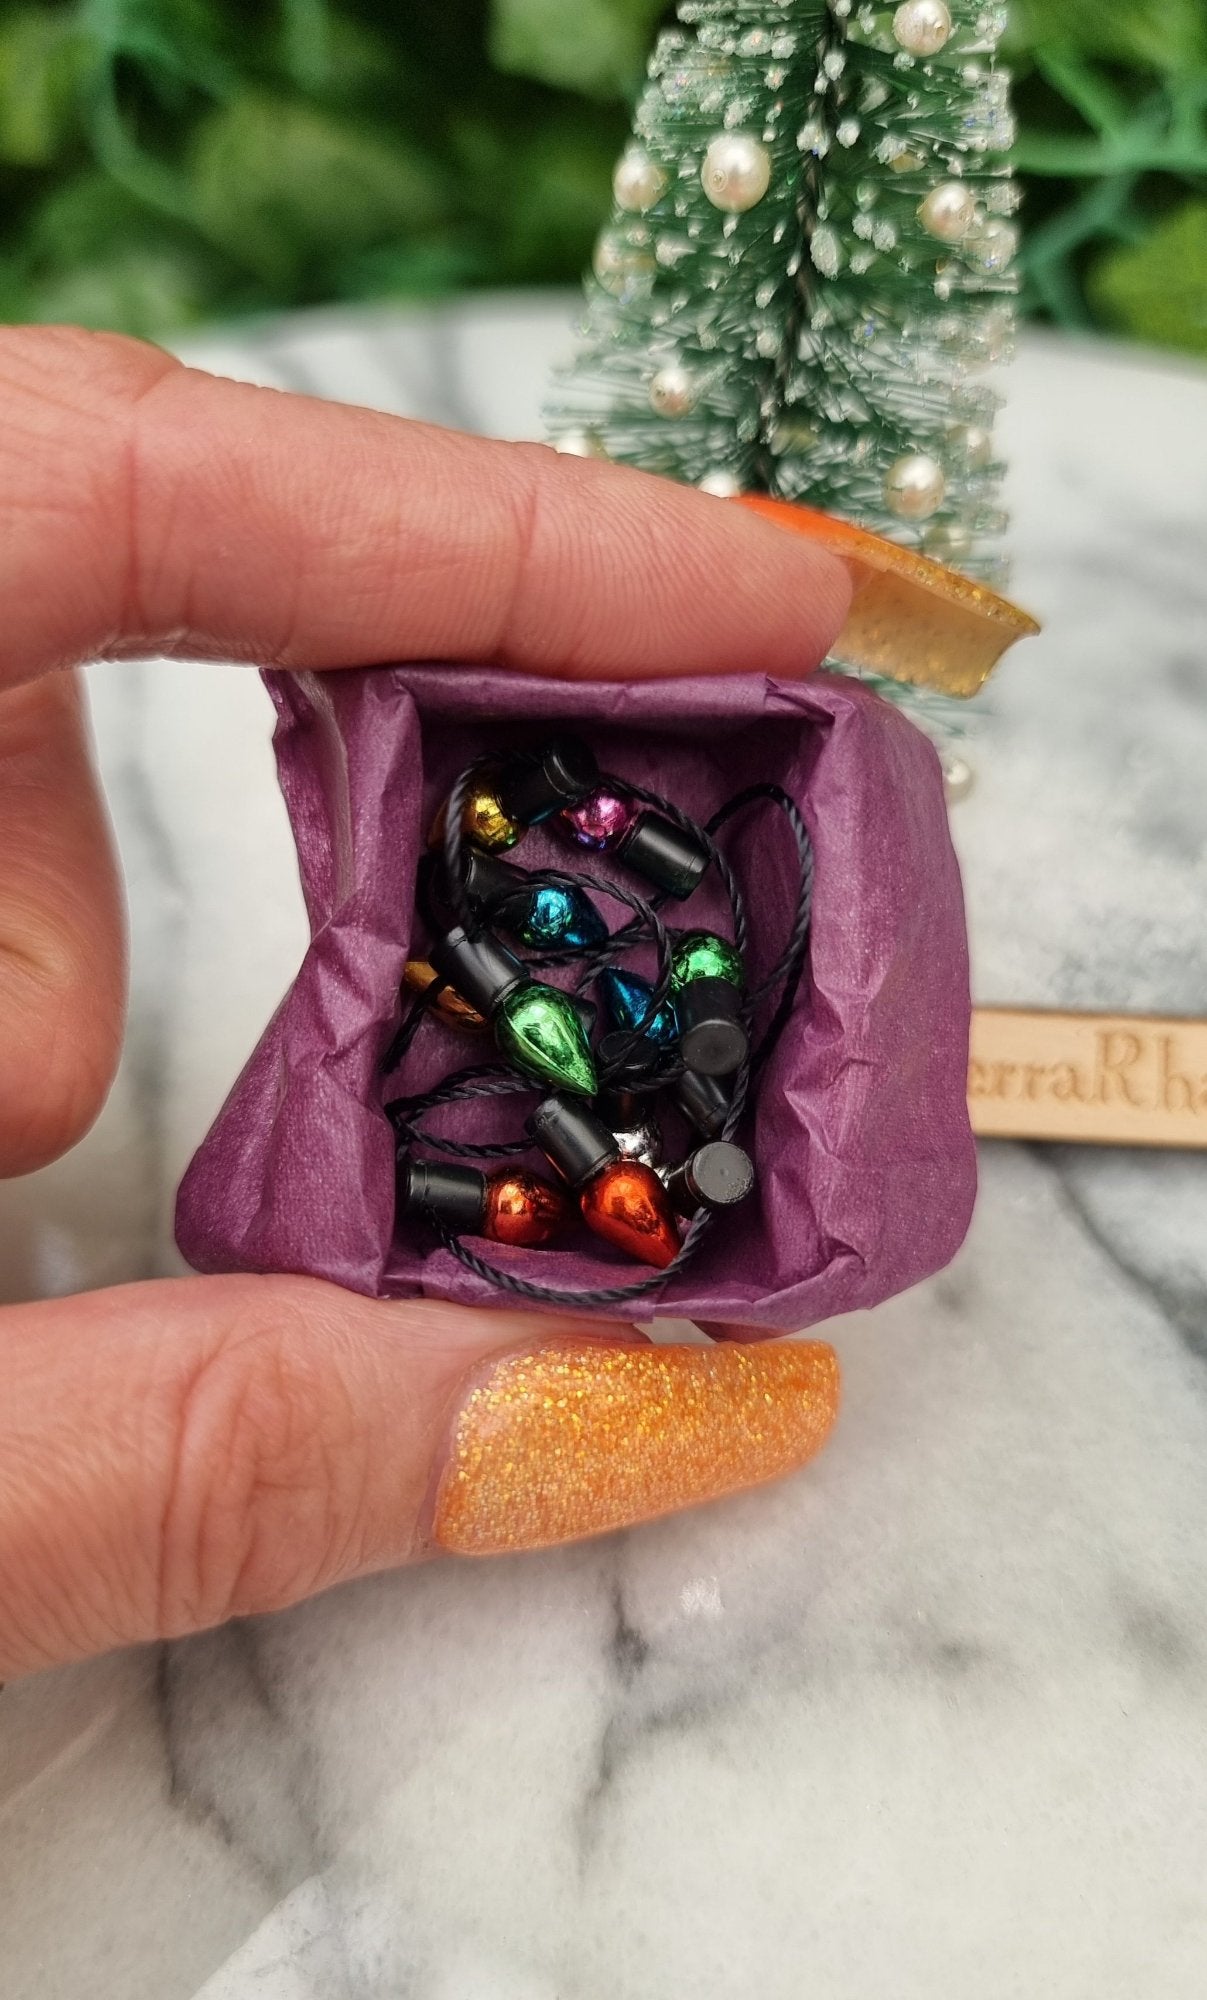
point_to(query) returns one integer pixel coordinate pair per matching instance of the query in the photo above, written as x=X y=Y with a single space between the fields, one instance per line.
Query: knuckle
x=62 y=1044
x=79 y=368
x=532 y=472
x=72 y=404
x=550 y=615
x=265 y=1478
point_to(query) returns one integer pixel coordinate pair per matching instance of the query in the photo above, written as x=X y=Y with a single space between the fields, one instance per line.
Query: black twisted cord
x=798 y=937
x=602 y=1295
x=790 y=966
x=671 y=811
x=488 y=1080
x=452 y=843
x=412 y=1021
x=645 y=908
x=483 y=1080
x=452 y=837
x=623 y=940
x=646 y=918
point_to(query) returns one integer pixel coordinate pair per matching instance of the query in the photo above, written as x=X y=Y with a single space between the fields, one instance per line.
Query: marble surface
x=930 y=1719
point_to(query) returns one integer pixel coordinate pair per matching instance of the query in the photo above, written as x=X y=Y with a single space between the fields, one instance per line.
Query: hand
x=172 y=1454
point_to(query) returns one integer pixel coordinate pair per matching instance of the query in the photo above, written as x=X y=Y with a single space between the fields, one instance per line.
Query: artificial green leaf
x=594 y=46
x=1164 y=35
x=565 y=189
x=14 y=292
x=427 y=270
x=41 y=57
x=358 y=66
x=90 y=217
x=1090 y=92
x=283 y=187
x=559 y=175
x=306 y=41
x=147 y=292
x=182 y=34
x=1157 y=290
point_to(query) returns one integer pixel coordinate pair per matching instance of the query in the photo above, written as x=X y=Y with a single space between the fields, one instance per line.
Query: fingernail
x=579 y=1437
x=910 y=618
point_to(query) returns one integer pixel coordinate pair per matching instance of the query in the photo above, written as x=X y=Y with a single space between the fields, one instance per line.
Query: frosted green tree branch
x=805 y=282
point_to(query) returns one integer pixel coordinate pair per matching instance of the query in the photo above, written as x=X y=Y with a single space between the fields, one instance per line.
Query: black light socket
x=704 y=1102
x=712 y=1037
x=715 y=1176
x=619 y=1107
x=487 y=881
x=455 y=1196
x=577 y=1142
x=637 y=1056
x=664 y=853
x=587 y=1011
x=559 y=774
x=480 y=969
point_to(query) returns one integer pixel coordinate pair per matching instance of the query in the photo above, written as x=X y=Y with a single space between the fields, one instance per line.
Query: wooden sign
x=1088 y=1079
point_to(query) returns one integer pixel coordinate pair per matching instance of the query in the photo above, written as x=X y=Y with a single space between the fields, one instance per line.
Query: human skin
x=173 y=1454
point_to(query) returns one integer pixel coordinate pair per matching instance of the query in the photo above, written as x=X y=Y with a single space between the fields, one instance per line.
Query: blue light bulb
x=561 y=916
x=627 y=997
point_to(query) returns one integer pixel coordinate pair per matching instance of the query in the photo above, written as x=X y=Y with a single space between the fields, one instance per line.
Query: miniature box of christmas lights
x=651 y=992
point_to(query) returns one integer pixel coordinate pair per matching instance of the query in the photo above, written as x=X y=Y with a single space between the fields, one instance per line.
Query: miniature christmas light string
x=629 y=1060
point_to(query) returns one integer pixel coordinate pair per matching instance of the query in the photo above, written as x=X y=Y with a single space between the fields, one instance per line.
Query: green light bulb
x=703 y=955
x=539 y=1030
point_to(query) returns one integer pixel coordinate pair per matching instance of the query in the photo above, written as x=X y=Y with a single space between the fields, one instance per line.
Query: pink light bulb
x=599 y=820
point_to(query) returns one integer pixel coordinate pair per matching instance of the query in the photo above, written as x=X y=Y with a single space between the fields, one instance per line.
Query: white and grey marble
x=930 y=1720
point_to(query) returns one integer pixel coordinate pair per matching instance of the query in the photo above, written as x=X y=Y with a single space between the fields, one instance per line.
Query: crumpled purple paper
x=866 y=1168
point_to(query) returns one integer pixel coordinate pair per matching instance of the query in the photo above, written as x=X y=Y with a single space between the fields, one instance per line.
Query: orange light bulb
x=627 y=1205
x=524 y=1210
x=448 y=1006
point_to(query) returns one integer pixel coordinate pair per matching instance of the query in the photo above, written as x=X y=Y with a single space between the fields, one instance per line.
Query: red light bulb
x=622 y=1200
x=627 y=1205
x=524 y=1210
x=513 y=1207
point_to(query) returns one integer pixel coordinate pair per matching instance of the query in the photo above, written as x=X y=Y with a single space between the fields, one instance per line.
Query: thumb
x=177 y=1453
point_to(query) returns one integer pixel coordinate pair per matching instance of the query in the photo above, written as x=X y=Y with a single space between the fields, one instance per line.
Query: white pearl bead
x=914 y=486
x=950 y=542
x=921 y=27
x=973 y=444
x=722 y=485
x=579 y=444
x=621 y=269
x=958 y=777
x=993 y=244
x=986 y=339
x=638 y=181
x=673 y=391
x=736 y=172
x=948 y=211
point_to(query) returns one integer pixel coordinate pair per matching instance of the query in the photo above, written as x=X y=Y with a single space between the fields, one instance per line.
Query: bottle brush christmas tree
x=806 y=277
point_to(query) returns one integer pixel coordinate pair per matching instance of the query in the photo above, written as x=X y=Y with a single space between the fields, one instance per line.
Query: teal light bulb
x=703 y=955
x=628 y=999
x=538 y=1029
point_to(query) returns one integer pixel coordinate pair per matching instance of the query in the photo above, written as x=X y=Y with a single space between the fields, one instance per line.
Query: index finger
x=147 y=505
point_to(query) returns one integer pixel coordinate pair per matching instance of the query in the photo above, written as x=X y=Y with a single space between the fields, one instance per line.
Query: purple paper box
x=866 y=1168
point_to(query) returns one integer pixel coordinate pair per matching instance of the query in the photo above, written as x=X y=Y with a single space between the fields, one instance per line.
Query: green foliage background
x=164 y=161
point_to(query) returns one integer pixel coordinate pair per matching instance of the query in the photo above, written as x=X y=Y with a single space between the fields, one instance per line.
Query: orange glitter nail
x=579 y=1437
x=910 y=618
